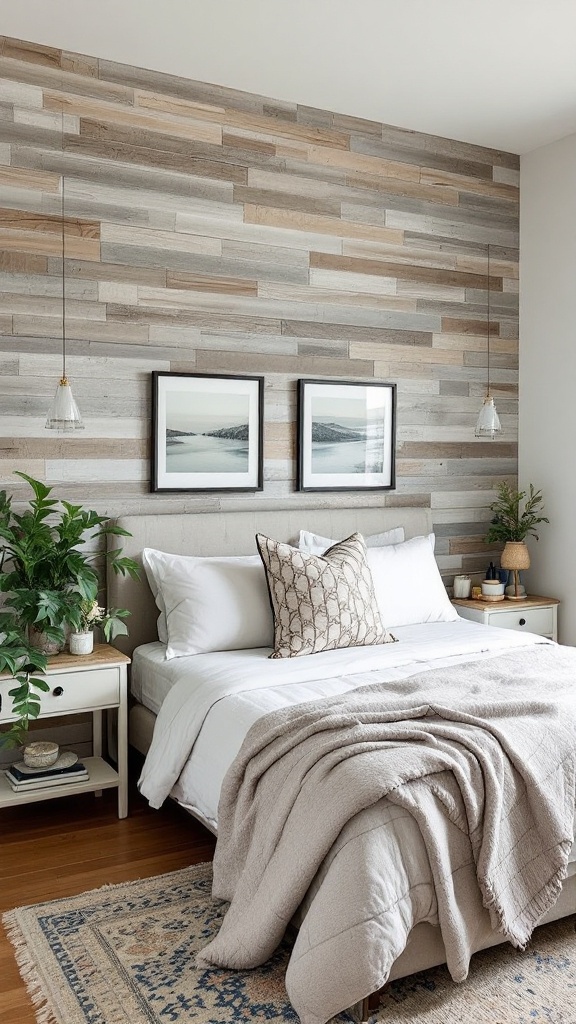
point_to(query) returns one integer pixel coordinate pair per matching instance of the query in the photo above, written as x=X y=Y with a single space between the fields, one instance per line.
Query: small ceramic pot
x=81 y=643
x=42 y=643
x=492 y=588
x=41 y=754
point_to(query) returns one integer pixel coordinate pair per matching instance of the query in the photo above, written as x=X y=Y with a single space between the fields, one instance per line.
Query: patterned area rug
x=124 y=954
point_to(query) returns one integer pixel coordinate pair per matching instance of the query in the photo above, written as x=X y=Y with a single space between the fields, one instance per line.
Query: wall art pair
x=208 y=434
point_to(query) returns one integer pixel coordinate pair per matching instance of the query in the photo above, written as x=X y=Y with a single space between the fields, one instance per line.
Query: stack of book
x=42 y=778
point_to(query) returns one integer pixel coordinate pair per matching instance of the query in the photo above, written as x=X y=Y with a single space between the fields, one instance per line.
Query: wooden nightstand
x=95 y=683
x=533 y=615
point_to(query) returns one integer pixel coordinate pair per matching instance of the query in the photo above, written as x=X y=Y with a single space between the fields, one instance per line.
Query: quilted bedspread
x=481 y=757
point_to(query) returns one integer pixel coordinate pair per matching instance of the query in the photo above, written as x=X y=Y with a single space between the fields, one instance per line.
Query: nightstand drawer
x=531 y=620
x=71 y=691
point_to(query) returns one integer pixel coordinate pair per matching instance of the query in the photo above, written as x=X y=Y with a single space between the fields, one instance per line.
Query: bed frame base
x=370 y=1004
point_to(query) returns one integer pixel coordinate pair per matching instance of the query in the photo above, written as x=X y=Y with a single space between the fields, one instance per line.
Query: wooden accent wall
x=216 y=231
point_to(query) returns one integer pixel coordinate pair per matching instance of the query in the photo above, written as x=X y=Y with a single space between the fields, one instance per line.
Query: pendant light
x=488 y=423
x=64 y=415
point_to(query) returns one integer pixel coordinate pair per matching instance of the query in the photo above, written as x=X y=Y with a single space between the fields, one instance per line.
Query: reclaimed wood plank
x=45 y=243
x=19 y=220
x=43 y=181
x=91 y=330
x=119 y=272
x=286 y=200
x=14 y=449
x=22 y=263
x=333 y=296
x=408 y=272
x=128 y=235
x=242 y=362
x=309 y=222
x=202 y=283
x=451 y=325
x=368 y=335
x=462 y=229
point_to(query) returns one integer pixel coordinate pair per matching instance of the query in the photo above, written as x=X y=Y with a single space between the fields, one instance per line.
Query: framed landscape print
x=346 y=436
x=207 y=432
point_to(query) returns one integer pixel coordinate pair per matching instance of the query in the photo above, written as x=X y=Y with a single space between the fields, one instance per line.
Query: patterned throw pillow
x=321 y=602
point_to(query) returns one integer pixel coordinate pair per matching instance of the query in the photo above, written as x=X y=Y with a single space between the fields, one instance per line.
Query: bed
x=232 y=691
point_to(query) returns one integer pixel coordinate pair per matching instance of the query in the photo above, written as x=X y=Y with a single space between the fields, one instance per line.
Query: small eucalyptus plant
x=508 y=521
x=47 y=580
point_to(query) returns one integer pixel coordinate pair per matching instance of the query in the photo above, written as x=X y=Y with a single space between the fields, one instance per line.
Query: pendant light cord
x=63 y=231
x=63 y=267
x=488 y=327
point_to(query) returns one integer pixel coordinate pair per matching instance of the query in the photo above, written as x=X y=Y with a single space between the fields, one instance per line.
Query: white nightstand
x=95 y=683
x=533 y=615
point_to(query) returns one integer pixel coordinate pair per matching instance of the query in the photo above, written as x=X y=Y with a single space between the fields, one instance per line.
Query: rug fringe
x=44 y=1011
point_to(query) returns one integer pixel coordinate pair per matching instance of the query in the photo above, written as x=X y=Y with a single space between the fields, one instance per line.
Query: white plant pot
x=81 y=643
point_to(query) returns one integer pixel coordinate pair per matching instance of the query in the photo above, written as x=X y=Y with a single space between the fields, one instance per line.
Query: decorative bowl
x=41 y=754
x=492 y=588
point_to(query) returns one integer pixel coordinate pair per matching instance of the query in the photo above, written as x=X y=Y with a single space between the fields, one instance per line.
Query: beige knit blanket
x=489 y=779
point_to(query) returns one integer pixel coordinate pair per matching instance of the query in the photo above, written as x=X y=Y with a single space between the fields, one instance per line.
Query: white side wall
x=547 y=424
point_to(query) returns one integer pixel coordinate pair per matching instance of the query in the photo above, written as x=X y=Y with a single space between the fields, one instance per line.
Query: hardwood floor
x=64 y=847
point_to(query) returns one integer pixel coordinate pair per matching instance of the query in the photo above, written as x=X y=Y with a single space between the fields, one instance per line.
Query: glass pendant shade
x=488 y=423
x=64 y=414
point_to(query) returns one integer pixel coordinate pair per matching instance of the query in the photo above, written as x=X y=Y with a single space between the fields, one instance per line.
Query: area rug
x=124 y=954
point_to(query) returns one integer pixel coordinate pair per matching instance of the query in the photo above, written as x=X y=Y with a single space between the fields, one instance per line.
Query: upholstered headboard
x=233 y=533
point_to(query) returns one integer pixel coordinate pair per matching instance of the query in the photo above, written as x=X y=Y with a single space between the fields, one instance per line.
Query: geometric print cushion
x=320 y=602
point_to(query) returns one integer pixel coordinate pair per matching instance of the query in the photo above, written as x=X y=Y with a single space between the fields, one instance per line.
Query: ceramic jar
x=42 y=643
x=492 y=588
x=81 y=643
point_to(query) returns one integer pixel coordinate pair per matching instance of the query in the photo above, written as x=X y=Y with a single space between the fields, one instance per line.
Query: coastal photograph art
x=207 y=432
x=346 y=435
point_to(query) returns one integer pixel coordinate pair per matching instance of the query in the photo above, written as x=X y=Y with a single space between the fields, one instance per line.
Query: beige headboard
x=232 y=533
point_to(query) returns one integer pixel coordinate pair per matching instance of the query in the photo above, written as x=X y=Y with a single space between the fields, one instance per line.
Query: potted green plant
x=47 y=579
x=92 y=615
x=511 y=524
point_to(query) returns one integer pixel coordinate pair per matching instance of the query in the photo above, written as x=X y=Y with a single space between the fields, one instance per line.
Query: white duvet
x=206 y=703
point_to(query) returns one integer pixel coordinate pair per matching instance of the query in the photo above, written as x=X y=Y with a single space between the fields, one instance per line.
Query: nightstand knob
x=57 y=691
x=522 y=622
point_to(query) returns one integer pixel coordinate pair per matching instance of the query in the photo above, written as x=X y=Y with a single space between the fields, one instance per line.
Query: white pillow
x=161 y=627
x=210 y=604
x=316 y=545
x=408 y=585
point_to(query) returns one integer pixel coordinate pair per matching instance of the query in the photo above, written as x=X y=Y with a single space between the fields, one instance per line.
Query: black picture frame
x=346 y=436
x=214 y=407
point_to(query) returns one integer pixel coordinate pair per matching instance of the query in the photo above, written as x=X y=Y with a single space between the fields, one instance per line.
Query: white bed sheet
x=228 y=718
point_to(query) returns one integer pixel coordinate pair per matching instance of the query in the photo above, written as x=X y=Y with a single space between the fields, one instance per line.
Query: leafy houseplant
x=508 y=522
x=47 y=581
x=108 y=619
x=511 y=525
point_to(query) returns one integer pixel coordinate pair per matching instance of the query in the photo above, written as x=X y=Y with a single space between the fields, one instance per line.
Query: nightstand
x=533 y=615
x=95 y=682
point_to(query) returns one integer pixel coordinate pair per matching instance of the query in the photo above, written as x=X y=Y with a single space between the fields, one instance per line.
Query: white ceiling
x=499 y=73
